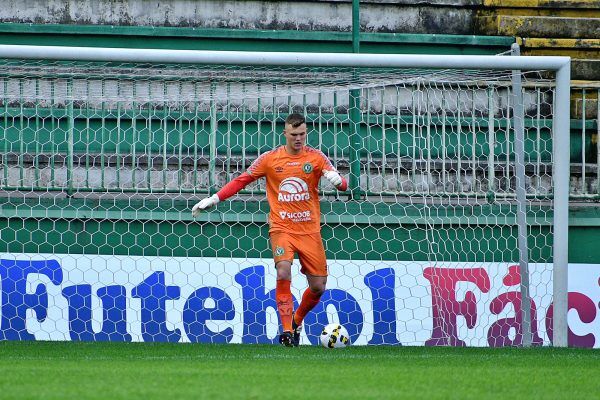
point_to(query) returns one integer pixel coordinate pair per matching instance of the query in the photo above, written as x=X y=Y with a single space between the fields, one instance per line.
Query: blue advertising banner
x=218 y=300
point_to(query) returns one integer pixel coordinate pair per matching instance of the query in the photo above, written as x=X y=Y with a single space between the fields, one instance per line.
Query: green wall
x=352 y=230
x=246 y=40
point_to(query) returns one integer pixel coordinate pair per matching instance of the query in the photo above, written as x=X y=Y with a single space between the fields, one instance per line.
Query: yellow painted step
x=548 y=27
x=494 y=13
x=574 y=54
x=556 y=4
x=551 y=43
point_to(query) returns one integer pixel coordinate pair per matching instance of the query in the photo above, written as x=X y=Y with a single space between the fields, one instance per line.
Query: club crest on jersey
x=279 y=251
x=307 y=168
x=293 y=189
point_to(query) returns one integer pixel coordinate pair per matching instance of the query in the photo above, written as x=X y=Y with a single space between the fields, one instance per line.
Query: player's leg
x=283 y=294
x=283 y=256
x=310 y=297
x=314 y=266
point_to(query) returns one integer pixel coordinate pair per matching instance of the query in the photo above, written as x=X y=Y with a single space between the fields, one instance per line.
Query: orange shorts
x=309 y=248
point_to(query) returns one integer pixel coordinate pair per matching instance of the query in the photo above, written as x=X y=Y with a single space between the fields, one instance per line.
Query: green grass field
x=61 y=370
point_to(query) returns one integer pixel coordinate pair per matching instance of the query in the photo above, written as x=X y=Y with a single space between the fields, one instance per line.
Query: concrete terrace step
x=495 y=16
x=584 y=49
x=585 y=69
x=585 y=54
x=556 y=5
x=548 y=27
x=584 y=98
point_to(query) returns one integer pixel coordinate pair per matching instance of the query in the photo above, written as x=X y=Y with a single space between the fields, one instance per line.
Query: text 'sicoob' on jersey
x=292 y=188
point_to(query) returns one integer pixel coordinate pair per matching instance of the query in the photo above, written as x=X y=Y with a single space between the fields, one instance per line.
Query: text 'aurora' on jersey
x=293 y=189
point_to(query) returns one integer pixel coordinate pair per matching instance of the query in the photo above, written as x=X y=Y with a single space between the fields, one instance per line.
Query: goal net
x=448 y=230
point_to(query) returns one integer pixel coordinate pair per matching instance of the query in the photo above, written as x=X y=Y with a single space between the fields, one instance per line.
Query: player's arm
x=336 y=179
x=226 y=192
x=332 y=175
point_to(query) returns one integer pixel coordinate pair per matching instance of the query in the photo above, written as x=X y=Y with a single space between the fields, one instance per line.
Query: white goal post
x=559 y=67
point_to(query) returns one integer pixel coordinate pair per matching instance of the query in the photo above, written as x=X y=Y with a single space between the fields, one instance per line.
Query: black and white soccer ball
x=335 y=336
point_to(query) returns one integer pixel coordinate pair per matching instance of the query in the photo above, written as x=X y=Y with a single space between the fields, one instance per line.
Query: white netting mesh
x=101 y=163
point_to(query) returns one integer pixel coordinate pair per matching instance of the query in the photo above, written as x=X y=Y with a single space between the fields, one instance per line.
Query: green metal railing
x=185 y=147
x=587 y=107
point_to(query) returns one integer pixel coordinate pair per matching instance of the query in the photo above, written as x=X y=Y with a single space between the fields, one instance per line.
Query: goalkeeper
x=292 y=173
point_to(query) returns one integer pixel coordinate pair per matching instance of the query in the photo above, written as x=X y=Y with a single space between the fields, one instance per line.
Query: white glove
x=333 y=177
x=204 y=204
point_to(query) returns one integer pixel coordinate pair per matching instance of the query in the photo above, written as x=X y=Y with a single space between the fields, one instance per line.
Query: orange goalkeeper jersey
x=292 y=188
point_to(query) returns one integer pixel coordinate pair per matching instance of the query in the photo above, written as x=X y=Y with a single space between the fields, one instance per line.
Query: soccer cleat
x=286 y=339
x=296 y=331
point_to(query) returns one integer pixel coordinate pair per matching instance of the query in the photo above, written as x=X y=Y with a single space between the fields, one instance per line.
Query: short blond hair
x=295 y=120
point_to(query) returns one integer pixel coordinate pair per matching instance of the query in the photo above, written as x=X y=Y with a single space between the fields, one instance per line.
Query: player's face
x=295 y=138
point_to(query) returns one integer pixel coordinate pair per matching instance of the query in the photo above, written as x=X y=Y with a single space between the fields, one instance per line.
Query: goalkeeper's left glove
x=333 y=177
x=204 y=204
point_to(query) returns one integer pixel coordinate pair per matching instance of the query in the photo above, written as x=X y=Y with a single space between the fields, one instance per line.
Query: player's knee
x=317 y=288
x=284 y=271
x=282 y=275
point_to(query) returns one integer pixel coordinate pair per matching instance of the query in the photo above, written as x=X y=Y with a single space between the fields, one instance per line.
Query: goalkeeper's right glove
x=204 y=204
x=333 y=177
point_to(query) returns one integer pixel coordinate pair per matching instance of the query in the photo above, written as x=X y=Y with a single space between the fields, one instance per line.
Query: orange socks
x=285 y=303
x=309 y=301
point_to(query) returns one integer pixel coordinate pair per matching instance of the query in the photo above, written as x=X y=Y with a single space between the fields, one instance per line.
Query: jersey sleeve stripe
x=328 y=165
x=256 y=163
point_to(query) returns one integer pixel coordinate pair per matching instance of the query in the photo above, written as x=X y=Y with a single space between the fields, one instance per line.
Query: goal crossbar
x=554 y=63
